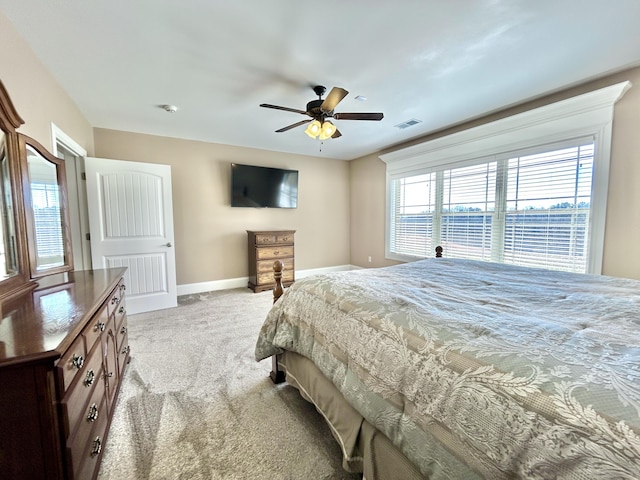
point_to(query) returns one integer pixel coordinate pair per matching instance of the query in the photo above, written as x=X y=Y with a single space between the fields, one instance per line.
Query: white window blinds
x=547 y=209
x=47 y=222
x=412 y=213
x=524 y=208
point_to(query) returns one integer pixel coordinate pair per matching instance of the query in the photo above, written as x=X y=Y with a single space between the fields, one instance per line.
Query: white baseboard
x=193 y=288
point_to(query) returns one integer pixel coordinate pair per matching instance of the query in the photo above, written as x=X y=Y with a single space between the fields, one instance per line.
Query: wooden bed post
x=278 y=266
x=277 y=375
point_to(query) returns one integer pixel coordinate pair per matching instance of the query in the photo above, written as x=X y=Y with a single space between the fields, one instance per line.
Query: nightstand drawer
x=285 y=238
x=265 y=239
x=267 y=278
x=274 y=252
x=266 y=266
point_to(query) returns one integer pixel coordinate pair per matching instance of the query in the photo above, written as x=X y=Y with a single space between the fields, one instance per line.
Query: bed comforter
x=478 y=370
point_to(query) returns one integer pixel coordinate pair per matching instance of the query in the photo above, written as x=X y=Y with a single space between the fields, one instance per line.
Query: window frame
x=586 y=115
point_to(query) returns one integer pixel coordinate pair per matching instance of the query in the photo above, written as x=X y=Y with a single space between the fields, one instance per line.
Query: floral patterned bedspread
x=478 y=370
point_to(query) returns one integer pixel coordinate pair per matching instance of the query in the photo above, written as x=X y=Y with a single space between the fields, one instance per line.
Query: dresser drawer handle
x=100 y=326
x=92 y=416
x=114 y=300
x=123 y=287
x=123 y=330
x=276 y=252
x=121 y=310
x=97 y=447
x=126 y=350
x=77 y=361
x=88 y=380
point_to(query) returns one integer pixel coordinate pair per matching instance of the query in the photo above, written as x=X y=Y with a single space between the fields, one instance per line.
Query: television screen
x=263 y=187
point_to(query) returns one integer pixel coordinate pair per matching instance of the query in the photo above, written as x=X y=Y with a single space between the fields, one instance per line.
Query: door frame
x=78 y=207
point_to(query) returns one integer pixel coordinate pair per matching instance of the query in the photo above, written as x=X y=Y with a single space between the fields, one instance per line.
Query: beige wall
x=210 y=235
x=622 y=237
x=37 y=96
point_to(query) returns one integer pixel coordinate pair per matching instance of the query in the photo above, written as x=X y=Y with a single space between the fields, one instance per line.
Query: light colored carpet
x=195 y=405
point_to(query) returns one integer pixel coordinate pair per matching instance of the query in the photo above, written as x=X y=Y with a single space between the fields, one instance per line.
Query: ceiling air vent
x=408 y=123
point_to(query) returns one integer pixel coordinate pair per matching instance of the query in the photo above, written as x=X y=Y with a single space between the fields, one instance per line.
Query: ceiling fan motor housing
x=313 y=107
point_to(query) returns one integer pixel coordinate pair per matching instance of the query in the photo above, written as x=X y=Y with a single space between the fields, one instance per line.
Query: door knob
x=169 y=244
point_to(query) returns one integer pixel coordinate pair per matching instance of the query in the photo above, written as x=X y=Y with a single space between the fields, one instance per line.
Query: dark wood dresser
x=63 y=351
x=264 y=248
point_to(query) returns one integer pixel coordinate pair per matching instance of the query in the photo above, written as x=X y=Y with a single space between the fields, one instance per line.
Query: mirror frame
x=9 y=122
x=23 y=143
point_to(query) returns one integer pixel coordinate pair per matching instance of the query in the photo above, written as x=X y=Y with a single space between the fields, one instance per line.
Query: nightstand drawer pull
x=114 y=300
x=88 y=380
x=121 y=310
x=97 y=447
x=77 y=361
x=126 y=350
x=100 y=326
x=123 y=330
x=92 y=416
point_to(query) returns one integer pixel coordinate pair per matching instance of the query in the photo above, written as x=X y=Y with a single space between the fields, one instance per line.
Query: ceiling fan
x=320 y=110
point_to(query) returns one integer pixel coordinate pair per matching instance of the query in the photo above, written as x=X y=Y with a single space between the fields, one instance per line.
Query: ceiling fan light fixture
x=314 y=129
x=328 y=129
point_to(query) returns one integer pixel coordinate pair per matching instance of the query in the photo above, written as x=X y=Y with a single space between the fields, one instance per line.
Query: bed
x=452 y=368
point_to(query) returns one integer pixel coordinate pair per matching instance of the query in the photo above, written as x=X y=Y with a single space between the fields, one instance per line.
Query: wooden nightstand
x=264 y=248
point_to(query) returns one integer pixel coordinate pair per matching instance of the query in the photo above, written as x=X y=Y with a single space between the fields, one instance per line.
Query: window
x=530 y=189
x=530 y=209
x=48 y=227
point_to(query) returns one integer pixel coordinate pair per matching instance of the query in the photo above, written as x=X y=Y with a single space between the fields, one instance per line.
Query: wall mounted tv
x=263 y=187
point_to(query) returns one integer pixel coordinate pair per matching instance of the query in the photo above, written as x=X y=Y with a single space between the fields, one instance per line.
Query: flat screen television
x=263 y=187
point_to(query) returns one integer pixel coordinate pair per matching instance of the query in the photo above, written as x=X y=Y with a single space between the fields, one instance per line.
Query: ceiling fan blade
x=358 y=116
x=286 y=109
x=335 y=96
x=302 y=122
x=336 y=134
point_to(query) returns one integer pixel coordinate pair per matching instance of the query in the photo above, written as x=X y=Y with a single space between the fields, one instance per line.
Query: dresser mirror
x=45 y=197
x=14 y=270
x=8 y=252
x=34 y=225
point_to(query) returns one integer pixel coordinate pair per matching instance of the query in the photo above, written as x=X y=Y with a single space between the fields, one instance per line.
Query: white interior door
x=131 y=225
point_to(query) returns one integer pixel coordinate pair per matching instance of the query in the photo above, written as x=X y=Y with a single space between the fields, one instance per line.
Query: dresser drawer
x=75 y=401
x=121 y=330
x=121 y=314
x=123 y=353
x=96 y=326
x=85 y=450
x=267 y=278
x=114 y=300
x=274 y=252
x=72 y=361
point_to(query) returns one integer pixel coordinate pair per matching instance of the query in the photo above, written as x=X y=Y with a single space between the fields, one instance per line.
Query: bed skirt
x=364 y=448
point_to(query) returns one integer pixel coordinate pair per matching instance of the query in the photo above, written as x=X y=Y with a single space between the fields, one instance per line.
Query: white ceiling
x=441 y=62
